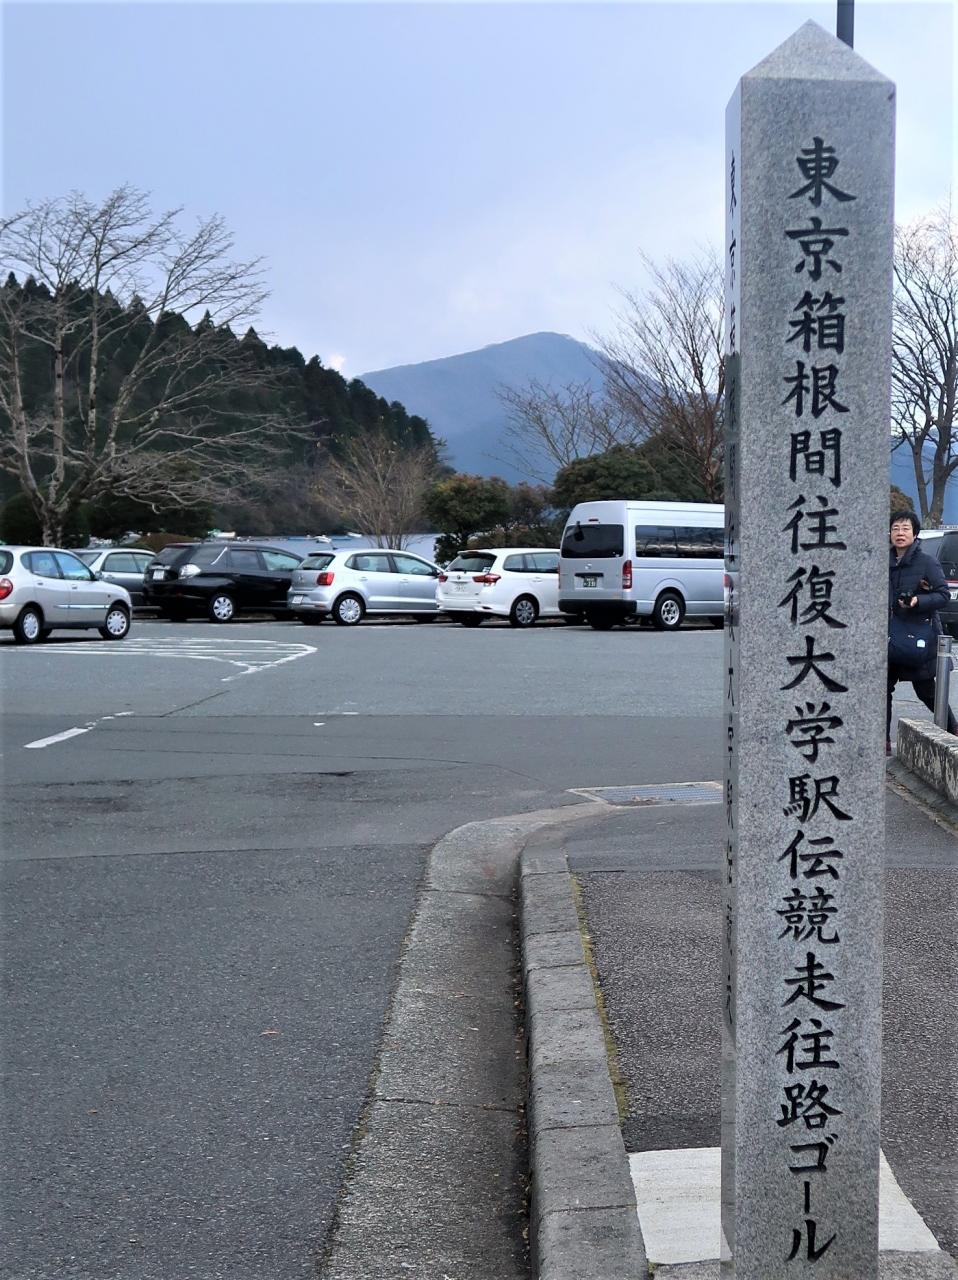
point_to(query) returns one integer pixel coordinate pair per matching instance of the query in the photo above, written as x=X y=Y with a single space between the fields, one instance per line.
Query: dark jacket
x=904 y=579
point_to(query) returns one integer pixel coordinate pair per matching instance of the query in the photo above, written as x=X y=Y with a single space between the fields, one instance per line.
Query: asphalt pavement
x=216 y=843
x=217 y=846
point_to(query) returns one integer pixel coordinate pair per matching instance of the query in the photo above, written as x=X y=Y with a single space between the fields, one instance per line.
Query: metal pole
x=942 y=681
x=845 y=24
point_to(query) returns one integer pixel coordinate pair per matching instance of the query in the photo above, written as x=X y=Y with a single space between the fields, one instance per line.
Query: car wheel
x=28 y=628
x=309 y=619
x=600 y=621
x=668 y=612
x=222 y=607
x=470 y=619
x=348 y=611
x=117 y=623
x=524 y=612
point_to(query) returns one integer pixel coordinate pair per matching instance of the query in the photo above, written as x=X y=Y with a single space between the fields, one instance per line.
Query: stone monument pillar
x=809 y=202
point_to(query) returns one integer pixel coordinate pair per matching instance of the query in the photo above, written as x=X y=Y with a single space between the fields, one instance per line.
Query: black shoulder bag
x=912 y=640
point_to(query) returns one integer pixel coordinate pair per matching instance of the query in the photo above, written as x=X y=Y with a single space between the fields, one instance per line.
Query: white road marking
x=249 y=655
x=72 y=733
x=678 y=1197
x=56 y=737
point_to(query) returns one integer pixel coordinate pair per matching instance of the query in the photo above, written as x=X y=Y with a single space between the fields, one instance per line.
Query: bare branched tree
x=549 y=427
x=664 y=364
x=376 y=485
x=925 y=354
x=123 y=320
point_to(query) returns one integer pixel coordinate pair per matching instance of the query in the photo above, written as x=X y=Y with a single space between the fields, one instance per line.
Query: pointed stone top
x=812 y=53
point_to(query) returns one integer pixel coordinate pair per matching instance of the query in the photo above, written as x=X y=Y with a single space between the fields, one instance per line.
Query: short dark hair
x=905 y=514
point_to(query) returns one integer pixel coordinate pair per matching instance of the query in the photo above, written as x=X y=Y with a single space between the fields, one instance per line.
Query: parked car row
x=619 y=562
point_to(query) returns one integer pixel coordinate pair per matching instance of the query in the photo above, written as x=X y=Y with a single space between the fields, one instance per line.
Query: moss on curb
x=619 y=1085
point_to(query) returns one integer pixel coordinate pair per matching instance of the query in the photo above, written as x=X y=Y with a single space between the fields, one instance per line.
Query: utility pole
x=845 y=24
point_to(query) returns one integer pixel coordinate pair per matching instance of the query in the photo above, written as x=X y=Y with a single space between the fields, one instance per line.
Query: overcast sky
x=426 y=179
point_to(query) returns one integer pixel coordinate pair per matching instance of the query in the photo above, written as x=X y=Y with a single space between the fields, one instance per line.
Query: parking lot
x=218 y=837
x=209 y=870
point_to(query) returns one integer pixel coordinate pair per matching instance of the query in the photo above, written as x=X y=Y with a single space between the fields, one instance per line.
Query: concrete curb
x=584 y=1218
x=435 y=1180
x=931 y=754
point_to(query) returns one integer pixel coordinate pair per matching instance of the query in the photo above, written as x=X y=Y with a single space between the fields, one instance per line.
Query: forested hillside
x=275 y=407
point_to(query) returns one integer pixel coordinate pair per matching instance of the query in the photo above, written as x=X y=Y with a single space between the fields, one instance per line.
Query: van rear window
x=593 y=541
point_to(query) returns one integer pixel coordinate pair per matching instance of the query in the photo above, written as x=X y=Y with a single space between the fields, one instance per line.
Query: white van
x=622 y=561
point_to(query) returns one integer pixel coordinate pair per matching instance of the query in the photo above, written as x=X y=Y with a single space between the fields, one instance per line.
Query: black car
x=219 y=579
x=945 y=547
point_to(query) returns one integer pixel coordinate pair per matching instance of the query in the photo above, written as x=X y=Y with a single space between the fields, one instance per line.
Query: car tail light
x=189 y=570
x=627 y=576
x=324 y=579
x=444 y=577
x=487 y=579
x=6 y=586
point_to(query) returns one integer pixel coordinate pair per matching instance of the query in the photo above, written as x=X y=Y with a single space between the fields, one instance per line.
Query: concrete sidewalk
x=620 y=928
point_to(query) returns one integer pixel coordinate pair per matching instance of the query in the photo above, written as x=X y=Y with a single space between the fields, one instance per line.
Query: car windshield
x=316 y=562
x=472 y=562
x=86 y=556
x=592 y=541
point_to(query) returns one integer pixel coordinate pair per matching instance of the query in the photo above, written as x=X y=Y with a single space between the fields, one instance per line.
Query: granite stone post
x=809 y=205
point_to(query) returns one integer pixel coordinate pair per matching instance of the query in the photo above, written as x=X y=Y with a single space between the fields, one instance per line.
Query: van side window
x=654 y=540
x=515 y=564
x=685 y=542
x=701 y=544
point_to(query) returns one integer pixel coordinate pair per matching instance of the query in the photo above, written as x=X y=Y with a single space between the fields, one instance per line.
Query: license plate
x=458 y=586
x=296 y=599
x=953 y=594
x=157 y=574
x=590 y=580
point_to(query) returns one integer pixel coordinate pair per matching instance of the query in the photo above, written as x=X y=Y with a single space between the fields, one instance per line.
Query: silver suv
x=43 y=589
x=350 y=584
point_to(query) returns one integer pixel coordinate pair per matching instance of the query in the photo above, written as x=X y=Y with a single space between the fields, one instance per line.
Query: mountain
x=457 y=394
x=457 y=397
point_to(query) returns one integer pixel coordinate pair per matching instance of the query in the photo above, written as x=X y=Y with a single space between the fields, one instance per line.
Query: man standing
x=916 y=589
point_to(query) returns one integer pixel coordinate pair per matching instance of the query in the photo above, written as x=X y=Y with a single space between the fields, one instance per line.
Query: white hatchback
x=518 y=583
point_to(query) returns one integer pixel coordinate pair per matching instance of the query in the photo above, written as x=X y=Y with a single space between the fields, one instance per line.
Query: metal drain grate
x=677 y=793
